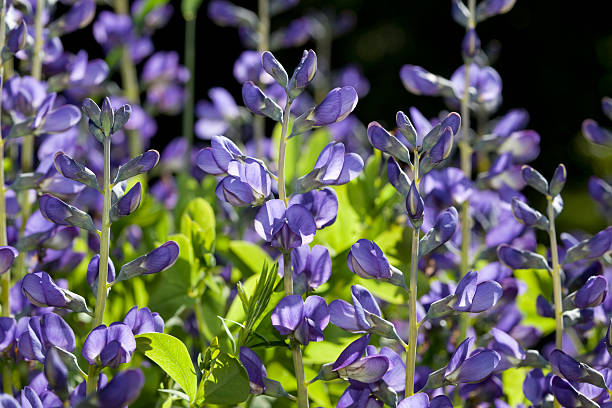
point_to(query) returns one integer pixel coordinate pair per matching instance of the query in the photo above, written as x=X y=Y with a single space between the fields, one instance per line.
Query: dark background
x=555 y=61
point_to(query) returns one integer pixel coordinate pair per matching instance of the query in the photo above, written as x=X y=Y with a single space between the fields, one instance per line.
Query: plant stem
x=556 y=275
x=412 y=288
x=296 y=352
x=6 y=278
x=104 y=252
x=263 y=44
x=190 y=62
x=281 y=152
x=129 y=81
x=465 y=152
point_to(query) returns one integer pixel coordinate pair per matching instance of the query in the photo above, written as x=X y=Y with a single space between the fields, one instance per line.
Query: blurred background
x=555 y=60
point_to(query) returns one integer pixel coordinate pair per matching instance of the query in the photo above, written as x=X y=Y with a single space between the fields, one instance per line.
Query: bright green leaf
x=171 y=355
x=227 y=381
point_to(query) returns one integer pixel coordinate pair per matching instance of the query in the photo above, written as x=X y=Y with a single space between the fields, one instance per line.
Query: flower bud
x=368 y=261
x=533 y=178
x=303 y=73
x=258 y=103
x=7 y=257
x=558 y=180
x=419 y=81
x=71 y=169
x=336 y=106
x=160 y=259
x=593 y=293
x=107 y=117
x=470 y=44
x=274 y=68
x=415 y=206
x=128 y=203
x=405 y=126
x=138 y=165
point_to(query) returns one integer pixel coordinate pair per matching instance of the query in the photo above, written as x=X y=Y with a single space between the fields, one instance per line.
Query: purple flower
x=419 y=81
x=158 y=260
x=490 y=8
x=421 y=400
x=575 y=371
x=274 y=68
x=356 y=317
x=336 y=106
x=36 y=335
x=333 y=167
x=470 y=44
x=590 y=248
x=508 y=348
x=29 y=398
x=285 y=228
x=259 y=103
x=122 y=390
x=595 y=133
x=524 y=214
x=255 y=369
x=8 y=329
x=567 y=395
x=303 y=74
x=85 y=75
x=523 y=146
x=258 y=378
x=387 y=143
x=225 y=13
x=593 y=293
x=322 y=204
x=60 y=213
x=367 y=260
x=7 y=257
x=535 y=386
x=484 y=80
x=56 y=371
x=353 y=76
x=353 y=366
x=466 y=367
x=109 y=346
x=304 y=319
x=415 y=206
x=216 y=159
x=248 y=183
x=128 y=203
x=311 y=267
x=143 y=321
x=16 y=38
x=215 y=118
x=42 y=291
x=74 y=170
x=358 y=395
x=474 y=297
x=248 y=67
x=93 y=269
x=163 y=77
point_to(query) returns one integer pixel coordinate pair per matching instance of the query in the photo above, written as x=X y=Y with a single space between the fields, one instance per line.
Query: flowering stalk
x=263 y=44
x=190 y=61
x=296 y=352
x=129 y=81
x=104 y=252
x=412 y=288
x=556 y=275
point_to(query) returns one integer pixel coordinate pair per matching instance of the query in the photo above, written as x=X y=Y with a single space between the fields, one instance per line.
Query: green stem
x=296 y=352
x=556 y=275
x=465 y=152
x=412 y=288
x=129 y=81
x=281 y=153
x=263 y=44
x=6 y=278
x=190 y=62
x=103 y=264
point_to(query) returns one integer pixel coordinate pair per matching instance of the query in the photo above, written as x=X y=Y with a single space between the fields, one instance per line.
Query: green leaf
x=171 y=355
x=198 y=223
x=227 y=382
x=249 y=255
x=513 y=385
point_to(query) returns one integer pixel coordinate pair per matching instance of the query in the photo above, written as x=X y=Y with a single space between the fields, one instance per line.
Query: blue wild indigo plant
x=279 y=252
